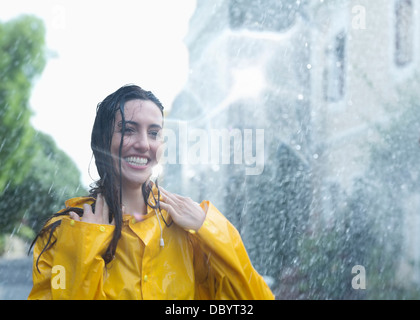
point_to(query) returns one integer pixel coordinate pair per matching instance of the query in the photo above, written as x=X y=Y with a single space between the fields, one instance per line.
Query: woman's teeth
x=136 y=161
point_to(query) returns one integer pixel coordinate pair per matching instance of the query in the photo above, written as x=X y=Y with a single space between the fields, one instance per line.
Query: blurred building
x=317 y=77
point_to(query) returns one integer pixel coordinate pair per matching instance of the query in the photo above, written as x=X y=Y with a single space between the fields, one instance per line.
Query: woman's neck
x=133 y=201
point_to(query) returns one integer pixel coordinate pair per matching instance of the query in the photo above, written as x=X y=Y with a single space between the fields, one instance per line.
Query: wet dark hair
x=110 y=179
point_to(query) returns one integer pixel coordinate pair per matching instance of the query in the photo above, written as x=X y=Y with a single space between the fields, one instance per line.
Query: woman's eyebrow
x=153 y=125
x=120 y=123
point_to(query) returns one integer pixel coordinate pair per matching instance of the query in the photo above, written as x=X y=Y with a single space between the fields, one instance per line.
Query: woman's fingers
x=166 y=207
x=87 y=210
x=171 y=196
x=100 y=216
x=74 y=216
x=184 y=211
x=88 y=215
x=167 y=199
x=169 y=203
x=173 y=199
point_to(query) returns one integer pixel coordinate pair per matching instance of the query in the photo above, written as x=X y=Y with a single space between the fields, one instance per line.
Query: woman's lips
x=137 y=162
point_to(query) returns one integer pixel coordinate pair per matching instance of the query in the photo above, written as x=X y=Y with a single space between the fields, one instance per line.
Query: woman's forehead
x=140 y=109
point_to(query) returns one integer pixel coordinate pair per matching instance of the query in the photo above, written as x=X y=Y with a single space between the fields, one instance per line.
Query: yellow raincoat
x=209 y=264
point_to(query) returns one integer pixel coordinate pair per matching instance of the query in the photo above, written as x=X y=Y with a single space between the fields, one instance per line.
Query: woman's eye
x=154 y=134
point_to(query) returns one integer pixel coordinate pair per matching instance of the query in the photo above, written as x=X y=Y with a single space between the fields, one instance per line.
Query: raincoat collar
x=79 y=201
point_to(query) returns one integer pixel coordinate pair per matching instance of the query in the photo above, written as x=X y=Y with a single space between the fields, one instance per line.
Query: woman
x=132 y=239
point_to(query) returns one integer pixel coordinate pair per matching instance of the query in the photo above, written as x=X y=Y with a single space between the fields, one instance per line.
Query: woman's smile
x=137 y=162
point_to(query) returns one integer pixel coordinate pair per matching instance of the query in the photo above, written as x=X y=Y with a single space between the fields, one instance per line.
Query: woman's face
x=142 y=139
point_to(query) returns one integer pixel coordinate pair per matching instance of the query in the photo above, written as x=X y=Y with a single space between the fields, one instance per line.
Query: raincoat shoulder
x=56 y=249
x=229 y=272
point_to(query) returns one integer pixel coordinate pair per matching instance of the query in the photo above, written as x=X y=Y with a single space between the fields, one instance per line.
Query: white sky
x=99 y=46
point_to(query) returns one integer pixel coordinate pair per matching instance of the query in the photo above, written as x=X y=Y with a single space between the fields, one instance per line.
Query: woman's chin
x=136 y=181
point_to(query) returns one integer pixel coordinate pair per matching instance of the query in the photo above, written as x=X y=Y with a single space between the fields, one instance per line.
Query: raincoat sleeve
x=222 y=266
x=73 y=268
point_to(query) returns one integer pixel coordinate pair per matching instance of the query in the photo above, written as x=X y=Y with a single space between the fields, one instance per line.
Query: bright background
x=94 y=48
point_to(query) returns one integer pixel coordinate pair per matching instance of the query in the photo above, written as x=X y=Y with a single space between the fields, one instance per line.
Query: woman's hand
x=100 y=216
x=184 y=211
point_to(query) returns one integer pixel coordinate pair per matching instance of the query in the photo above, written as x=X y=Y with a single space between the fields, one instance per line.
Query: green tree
x=51 y=179
x=22 y=59
x=35 y=177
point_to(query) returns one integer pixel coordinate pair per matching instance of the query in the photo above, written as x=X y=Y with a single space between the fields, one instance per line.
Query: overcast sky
x=95 y=47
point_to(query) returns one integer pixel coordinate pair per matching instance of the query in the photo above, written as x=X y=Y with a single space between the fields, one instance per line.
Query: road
x=15 y=278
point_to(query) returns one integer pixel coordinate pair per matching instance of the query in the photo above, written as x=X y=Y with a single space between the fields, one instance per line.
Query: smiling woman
x=113 y=244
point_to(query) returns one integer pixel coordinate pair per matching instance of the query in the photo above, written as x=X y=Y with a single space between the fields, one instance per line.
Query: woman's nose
x=142 y=142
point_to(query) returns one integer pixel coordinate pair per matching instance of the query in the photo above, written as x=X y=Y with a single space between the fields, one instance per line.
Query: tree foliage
x=22 y=59
x=51 y=179
x=35 y=177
